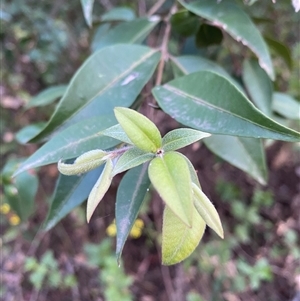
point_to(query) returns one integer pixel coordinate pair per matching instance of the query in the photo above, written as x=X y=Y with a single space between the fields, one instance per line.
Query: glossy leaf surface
x=132 y=32
x=171 y=178
x=179 y=240
x=72 y=142
x=130 y=196
x=232 y=19
x=180 y=138
x=141 y=131
x=207 y=210
x=131 y=158
x=70 y=192
x=208 y=102
x=246 y=154
x=258 y=85
x=97 y=88
x=47 y=96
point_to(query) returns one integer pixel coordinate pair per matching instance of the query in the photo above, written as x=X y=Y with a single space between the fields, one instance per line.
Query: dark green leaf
x=72 y=142
x=246 y=154
x=70 y=192
x=186 y=64
x=184 y=23
x=208 y=35
x=132 y=32
x=97 y=88
x=258 y=85
x=47 y=96
x=237 y=23
x=281 y=50
x=210 y=103
x=130 y=196
x=87 y=7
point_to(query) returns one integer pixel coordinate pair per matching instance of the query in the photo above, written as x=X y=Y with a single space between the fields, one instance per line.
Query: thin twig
x=155 y=7
x=164 y=47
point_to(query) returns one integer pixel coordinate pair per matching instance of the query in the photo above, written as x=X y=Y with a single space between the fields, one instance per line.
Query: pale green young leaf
x=207 y=210
x=131 y=158
x=179 y=138
x=141 y=131
x=99 y=189
x=117 y=132
x=170 y=176
x=84 y=163
x=193 y=173
x=179 y=240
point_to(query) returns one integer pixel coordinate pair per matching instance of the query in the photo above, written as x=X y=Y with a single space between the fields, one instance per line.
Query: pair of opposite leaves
x=187 y=210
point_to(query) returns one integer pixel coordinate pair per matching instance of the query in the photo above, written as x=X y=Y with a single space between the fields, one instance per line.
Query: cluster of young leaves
x=171 y=173
x=203 y=96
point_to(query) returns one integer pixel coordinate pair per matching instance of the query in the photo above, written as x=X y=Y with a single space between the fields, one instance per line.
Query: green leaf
x=87 y=7
x=117 y=132
x=141 y=131
x=29 y=131
x=70 y=192
x=180 y=138
x=84 y=163
x=258 y=85
x=208 y=35
x=281 y=50
x=96 y=82
x=208 y=102
x=131 y=158
x=130 y=196
x=118 y=14
x=184 y=23
x=21 y=192
x=207 y=210
x=286 y=106
x=47 y=96
x=178 y=240
x=186 y=64
x=246 y=154
x=99 y=189
x=132 y=32
x=170 y=176
x=72 y=142
x=232 y=19
x=193 y=173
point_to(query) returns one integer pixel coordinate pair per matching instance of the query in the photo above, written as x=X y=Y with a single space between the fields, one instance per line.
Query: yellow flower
x=14 y=220
x=111 y=230
x=137 y=228
x=4 y=208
